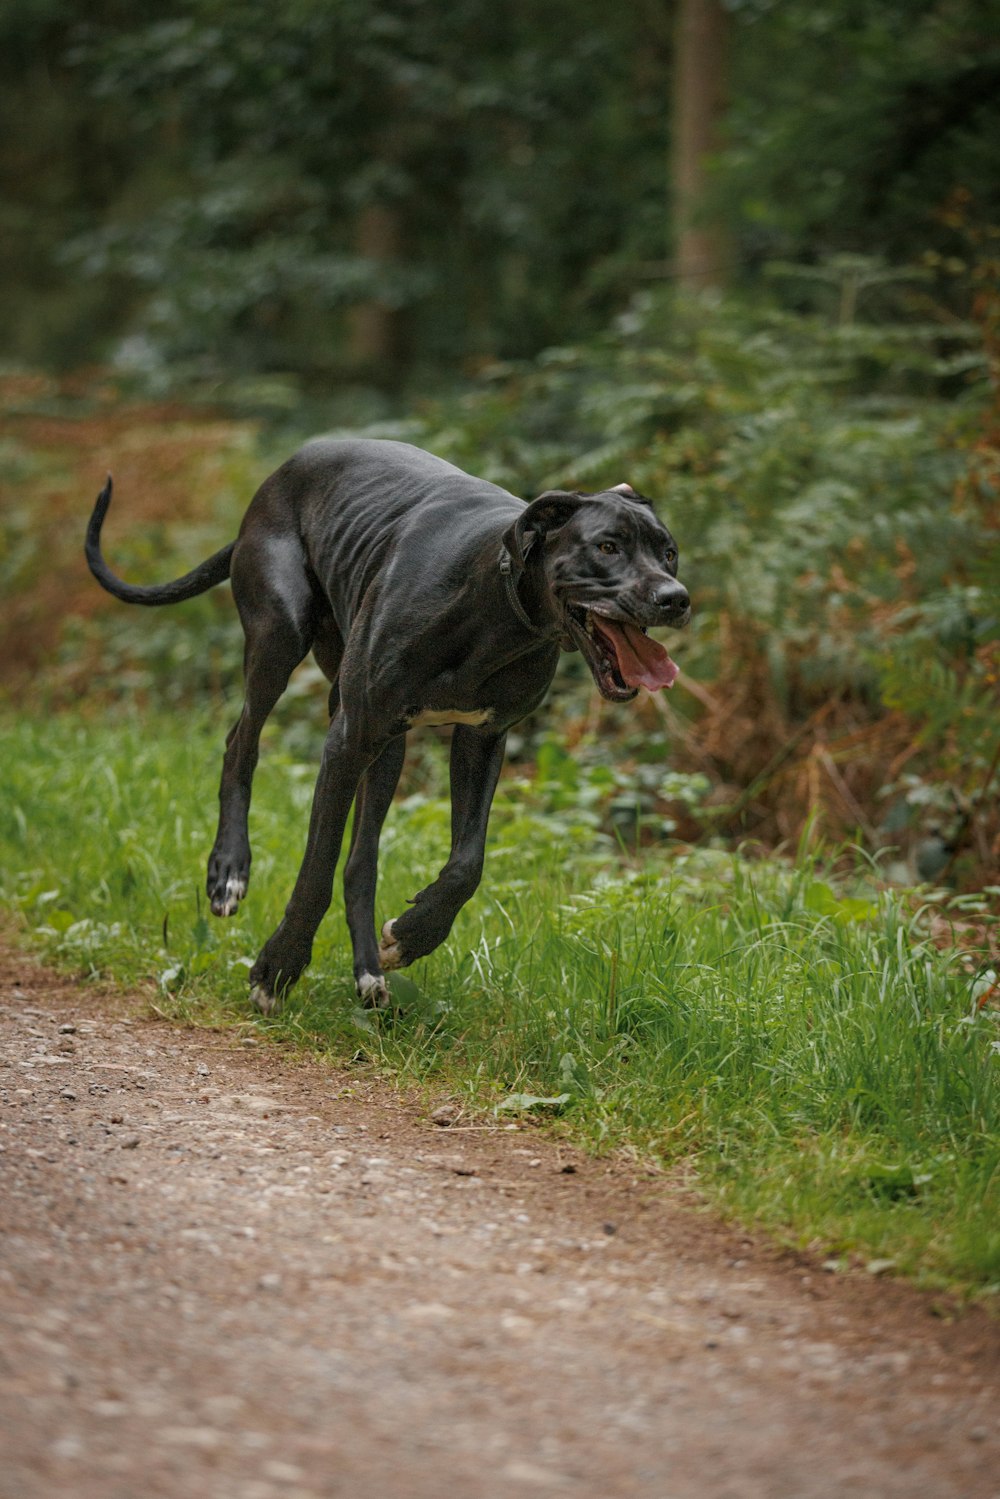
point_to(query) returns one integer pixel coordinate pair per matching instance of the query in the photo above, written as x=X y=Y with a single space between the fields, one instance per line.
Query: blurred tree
x=462 y=178
x=60 y=161
x=200 y=186
x=699 y=94
x=375 y=328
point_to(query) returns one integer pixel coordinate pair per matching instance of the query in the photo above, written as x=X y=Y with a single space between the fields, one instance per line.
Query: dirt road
x=229 y=1274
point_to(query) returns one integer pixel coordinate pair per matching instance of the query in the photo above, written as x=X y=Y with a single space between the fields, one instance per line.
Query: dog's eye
x=671 y=556
x=608 y=548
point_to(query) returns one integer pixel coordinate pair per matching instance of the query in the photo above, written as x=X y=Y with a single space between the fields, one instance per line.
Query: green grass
x=823 y=1064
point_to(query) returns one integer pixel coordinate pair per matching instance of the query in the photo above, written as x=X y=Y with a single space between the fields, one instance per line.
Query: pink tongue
x=641 y=661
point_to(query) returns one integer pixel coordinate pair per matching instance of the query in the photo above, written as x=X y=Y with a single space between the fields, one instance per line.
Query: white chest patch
x=426 y=716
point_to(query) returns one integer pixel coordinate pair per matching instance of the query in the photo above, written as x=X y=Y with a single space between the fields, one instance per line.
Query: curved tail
x=214 y=569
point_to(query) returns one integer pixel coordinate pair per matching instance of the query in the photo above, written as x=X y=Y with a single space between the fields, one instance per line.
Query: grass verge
x=826 y=1066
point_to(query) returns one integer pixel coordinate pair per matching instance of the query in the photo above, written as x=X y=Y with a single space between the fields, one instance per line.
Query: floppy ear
x=544 y=515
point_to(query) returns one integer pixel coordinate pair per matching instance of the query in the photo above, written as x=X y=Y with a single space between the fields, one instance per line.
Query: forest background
x=744 y=255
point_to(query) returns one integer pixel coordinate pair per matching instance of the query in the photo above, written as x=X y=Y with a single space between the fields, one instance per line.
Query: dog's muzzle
x=621 y=656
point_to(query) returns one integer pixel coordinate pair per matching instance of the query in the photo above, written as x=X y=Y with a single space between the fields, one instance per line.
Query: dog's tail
x=214 y=569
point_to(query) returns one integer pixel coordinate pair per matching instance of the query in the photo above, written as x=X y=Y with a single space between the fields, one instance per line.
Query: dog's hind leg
x=276 y=607
x=360 y=873
x=476 y=759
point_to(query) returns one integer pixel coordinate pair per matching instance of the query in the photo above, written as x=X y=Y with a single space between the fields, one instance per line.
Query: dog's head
x=610 y=567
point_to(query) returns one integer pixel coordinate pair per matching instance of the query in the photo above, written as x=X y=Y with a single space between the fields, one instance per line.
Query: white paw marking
x=373 y=991
x=389 y=952
x=263 y=1000
x=426 y=716
x=235 y=890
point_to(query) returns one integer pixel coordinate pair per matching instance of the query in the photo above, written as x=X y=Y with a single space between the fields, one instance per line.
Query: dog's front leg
x=346 y=756
x=476 y=759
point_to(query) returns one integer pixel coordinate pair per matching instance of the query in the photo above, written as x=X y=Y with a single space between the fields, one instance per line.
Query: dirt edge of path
x=620 y=1185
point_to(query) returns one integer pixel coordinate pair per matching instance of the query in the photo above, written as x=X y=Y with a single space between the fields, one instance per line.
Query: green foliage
x=829 y=1068
x=187 y=183
x=950 y=694
x=604 y=797
x=812 y=470
x=852 y=124
x=259 y=137
x=816 y=471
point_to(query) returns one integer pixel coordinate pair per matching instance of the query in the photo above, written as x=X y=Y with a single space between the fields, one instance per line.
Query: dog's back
x=363 y=504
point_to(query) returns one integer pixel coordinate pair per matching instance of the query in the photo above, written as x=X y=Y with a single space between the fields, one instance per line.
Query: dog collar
x=510 y=582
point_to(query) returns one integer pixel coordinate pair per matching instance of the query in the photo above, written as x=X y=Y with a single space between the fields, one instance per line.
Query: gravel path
x=230 y=1274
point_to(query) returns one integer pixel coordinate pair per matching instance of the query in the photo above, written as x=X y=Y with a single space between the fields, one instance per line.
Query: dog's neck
x=512 y=574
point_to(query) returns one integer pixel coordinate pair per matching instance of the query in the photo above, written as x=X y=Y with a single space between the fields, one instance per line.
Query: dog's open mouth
x=621 y=656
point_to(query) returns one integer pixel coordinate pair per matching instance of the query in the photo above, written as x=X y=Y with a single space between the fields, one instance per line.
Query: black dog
x=427 y=597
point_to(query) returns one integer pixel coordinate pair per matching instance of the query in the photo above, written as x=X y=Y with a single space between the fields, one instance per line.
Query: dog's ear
x=632 y=494
x=543 y=516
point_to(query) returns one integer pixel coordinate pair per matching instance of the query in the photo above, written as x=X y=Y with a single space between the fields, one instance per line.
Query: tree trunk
x=375 y=329
x=699 y=96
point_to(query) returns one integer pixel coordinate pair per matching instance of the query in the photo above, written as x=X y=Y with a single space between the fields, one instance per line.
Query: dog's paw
x=277 y=968
x=390 y=954
x=225 y=900
x=373 y=991
x=263 y=1000
x=228 y=877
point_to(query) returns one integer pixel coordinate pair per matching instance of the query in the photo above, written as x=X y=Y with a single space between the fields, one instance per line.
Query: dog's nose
x=672 y=597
